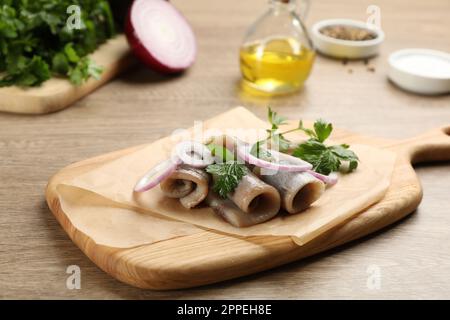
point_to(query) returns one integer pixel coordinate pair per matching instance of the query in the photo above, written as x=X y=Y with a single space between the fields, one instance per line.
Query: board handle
x=433 y=145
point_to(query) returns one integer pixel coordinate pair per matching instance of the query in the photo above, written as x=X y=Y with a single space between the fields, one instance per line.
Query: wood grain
x=58 y=93
x=140 y=106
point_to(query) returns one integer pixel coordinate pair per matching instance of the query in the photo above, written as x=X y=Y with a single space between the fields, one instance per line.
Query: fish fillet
x=252 y=202
x=298 y=190
x=188 y=184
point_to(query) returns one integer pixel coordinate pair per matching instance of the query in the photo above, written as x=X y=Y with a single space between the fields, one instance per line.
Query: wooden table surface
x=412 y=257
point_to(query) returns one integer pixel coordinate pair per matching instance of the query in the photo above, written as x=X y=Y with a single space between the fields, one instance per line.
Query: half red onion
x=194 y=154
x=157 y=174
x=160 y=36
x=244 y=153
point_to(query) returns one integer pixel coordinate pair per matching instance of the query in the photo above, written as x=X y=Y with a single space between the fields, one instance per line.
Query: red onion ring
x=330 y=179
x=187 y=150
x=245 y=154
x=288 y=158
x=157 y=174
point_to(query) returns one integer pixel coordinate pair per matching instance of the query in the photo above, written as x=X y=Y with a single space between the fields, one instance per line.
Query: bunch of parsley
x=36 y=42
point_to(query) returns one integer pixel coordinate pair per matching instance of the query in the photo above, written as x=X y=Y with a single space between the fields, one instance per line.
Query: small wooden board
x=210 y=257
x=58 y=93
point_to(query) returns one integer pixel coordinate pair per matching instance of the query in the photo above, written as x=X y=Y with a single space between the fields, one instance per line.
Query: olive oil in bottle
x=275 y=65
x=277 y=55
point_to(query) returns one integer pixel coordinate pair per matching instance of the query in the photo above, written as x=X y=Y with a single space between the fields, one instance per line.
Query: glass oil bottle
x=277 y=54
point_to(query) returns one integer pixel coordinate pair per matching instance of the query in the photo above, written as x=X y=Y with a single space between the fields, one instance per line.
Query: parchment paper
x=114 y=181
x=116 y=225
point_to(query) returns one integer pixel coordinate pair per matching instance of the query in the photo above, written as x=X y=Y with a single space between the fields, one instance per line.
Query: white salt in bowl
x=422 y=71
x=349 y=49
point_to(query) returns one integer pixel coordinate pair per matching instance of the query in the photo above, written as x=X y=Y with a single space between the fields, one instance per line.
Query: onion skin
x=143 y=54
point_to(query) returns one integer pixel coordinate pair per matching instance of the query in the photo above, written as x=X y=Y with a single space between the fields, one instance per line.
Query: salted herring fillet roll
x=253 y=196
x=252 y=202
x=188 y=184
x=298 y=190
x=231 y=213
x=226 y=209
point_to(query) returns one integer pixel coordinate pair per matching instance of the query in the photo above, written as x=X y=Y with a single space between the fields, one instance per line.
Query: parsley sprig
x=325 y=159
x=227 y=176
x=227 y=171
x=274 y=137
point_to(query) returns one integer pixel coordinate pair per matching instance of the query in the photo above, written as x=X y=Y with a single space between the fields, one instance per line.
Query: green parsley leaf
x=70 y=52
x=274 y=119
x=84 y=69
x=60 y=64
x=353 y=164
x=322 y=130
x=226 y=176
x=316 y=153
x=344 y=153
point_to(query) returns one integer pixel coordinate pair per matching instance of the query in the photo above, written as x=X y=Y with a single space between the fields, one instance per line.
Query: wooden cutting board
x=209 y=257
x=58 y=93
